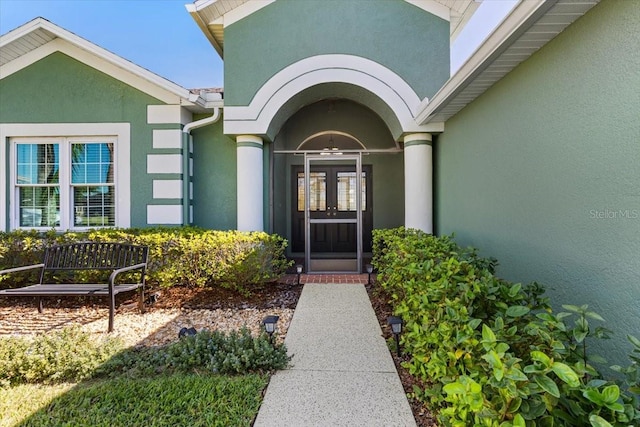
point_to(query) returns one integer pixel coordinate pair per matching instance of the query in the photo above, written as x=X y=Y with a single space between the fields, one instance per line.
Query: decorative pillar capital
x=249 y=141
x=417 y=139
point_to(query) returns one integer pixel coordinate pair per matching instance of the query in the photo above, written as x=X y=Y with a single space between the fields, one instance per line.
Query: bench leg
x=112 y=312
x=40 y=305
x=141 y=300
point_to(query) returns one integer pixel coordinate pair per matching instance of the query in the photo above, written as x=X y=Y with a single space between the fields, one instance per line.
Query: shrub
x=212 y=352
x=66 y=355
x=177 y=256
x=493 y=350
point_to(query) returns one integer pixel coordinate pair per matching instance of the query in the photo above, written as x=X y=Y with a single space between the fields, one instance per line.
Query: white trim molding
x=336 y=68
x=164 y=214
x=122 y=133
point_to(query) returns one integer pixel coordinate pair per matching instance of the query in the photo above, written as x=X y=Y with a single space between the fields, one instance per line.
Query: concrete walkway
x=342 y=373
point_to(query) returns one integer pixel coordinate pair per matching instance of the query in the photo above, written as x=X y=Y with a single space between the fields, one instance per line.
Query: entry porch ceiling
x=529 y=26
x=212 y=15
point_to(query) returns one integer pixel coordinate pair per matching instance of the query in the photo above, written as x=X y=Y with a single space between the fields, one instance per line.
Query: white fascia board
x=193 y=10
x=96 y=51
x=518 y=16
x=433 y=7
x=109 y=68
x=245 y=9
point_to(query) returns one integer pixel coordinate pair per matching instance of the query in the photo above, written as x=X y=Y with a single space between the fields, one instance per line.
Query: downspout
x=187 y=147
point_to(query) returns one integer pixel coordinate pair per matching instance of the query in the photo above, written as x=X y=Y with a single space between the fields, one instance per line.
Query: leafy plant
x=494 y=352
x=205 y=352
x=66 y=355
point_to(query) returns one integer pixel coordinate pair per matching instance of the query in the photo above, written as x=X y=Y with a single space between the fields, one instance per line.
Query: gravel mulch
x=213 y=309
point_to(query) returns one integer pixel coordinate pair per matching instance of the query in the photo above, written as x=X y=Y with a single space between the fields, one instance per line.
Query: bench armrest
x=113 y=275
x=16 y=269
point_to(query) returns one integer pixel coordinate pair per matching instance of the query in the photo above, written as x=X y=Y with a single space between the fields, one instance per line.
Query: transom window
x=64 y=183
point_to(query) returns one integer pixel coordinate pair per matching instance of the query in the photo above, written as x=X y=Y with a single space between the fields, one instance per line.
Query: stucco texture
x=391 y=33
x=60 y=89
x=214 y=178
x=543 y=171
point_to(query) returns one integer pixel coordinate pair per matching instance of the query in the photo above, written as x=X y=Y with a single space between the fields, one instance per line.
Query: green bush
x=494 y=352
x=213 y=352
x=177 y=256
x=66 y=355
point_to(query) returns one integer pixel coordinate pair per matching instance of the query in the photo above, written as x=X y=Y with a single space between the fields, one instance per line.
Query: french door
x=332 y=222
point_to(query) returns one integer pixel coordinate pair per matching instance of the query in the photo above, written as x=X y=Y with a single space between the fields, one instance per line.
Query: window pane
x=39 y=206
x=92 y=163
x=347 y=191
x=317 y=191
x=93 y=206
x=38 y=163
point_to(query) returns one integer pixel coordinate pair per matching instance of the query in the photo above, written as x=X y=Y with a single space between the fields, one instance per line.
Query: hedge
x=177 y=256
x=494 y=352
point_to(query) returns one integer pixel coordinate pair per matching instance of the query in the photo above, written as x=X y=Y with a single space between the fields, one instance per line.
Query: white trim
x=167 y=189
x=122 y=178
x=167 y=138
x=418 y=137
x=168 y=114
x=244 y=10
x=433 y=7
x=92 y=55
x=164 y=163
x=249 y=138
x=164 y=214
x=465 y=74
x=376 y=78
x=330 y=132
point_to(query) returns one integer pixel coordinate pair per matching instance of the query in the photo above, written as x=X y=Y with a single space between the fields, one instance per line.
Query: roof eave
x=193 y=10
x=522 y=18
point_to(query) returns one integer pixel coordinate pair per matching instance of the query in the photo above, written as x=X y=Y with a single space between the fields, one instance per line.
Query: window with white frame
x=64 y=183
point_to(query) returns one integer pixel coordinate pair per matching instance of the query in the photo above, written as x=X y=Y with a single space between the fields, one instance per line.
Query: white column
x=418 y=182
x=250 y=183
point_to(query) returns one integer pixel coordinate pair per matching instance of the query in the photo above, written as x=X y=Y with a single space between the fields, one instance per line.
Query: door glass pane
x=347 y=191
x=317 y=191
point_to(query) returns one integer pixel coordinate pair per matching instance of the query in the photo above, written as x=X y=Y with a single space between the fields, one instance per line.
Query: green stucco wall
x=60 y=89
x=392 y=33
x=543 y=170
x=214 y=178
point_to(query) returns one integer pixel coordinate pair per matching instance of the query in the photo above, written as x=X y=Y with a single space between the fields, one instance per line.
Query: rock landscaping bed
x=176 y=308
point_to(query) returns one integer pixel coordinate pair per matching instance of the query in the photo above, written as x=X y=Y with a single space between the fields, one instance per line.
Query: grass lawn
x=167 y=400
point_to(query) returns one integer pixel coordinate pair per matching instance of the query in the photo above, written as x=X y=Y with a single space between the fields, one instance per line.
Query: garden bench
x=115 y=257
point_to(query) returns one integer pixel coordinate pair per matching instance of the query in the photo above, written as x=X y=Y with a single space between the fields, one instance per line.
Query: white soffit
x=457 y=12
x=529 y=26
x=213 y=15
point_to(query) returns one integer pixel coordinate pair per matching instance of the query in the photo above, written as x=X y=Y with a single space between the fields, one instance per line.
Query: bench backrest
x=94 y=256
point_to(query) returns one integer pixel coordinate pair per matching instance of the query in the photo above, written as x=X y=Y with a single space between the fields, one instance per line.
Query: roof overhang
x=529 y=26
x=212 y=16
x=39 y=38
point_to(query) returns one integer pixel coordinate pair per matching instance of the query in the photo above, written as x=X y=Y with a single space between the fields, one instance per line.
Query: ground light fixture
x=298 y=272
x=269 y=324
x=396 y=329
x=369 y=269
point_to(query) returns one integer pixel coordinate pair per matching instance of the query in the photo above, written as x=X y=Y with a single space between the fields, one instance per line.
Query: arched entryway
x=325 y=211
